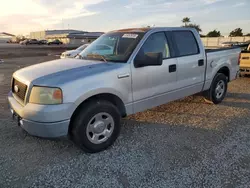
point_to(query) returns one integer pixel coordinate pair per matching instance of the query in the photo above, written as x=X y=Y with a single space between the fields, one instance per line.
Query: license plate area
x=16 y=117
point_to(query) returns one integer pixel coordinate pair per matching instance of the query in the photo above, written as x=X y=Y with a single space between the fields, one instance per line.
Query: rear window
x=186 y=43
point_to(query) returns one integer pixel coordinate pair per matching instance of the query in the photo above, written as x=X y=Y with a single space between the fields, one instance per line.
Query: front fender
x=94 y=92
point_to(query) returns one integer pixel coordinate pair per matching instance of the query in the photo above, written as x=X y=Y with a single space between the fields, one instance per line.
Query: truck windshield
x=114 y=47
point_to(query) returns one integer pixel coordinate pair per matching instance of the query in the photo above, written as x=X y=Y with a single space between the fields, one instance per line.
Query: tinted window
x=186 y=43
x=156 y=43
x=102 y=47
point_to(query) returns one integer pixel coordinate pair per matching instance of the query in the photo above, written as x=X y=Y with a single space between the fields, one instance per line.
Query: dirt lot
x=187 y=143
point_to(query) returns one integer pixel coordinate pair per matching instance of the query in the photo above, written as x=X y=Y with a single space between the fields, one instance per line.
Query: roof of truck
x=146 y=29
x=143 y=30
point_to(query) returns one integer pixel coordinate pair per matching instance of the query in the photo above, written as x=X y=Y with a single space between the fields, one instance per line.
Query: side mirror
x=148 y=59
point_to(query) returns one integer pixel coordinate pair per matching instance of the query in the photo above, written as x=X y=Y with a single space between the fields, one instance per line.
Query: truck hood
x=60 y=71
x=72 y=52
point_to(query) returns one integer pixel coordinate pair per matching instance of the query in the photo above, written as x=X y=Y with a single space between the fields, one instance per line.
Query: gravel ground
x=186 y=143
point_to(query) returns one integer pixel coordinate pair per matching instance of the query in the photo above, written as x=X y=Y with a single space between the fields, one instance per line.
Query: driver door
x=151 y=85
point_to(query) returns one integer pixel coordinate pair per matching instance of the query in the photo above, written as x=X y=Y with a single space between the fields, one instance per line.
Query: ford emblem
x=16 y=88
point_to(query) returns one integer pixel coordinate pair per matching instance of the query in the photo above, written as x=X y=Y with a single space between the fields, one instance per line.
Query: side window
x=186 y=43
x=156 y=42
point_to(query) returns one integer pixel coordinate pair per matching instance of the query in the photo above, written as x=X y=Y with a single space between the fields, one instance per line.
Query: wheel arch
x=110 y=97
x=226 y=71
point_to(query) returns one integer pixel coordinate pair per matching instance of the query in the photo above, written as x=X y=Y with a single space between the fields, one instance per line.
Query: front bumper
x=45 y=130
x=48 y=121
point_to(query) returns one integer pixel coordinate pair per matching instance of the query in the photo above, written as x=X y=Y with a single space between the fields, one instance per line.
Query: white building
x=40 y=35
x=76 y=38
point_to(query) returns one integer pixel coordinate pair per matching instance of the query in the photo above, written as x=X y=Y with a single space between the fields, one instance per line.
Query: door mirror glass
x=148 y=59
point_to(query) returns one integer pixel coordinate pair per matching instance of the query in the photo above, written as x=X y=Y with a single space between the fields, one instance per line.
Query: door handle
x=123 y=75
x=201 y=62
x=172 y=68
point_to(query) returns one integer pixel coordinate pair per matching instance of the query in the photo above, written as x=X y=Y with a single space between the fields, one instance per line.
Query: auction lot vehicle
x=57 y=42
x=228 y=44
x=43 y=41
x=73 y=53
x=86 y=97
x=30 y=41
x=245 y=61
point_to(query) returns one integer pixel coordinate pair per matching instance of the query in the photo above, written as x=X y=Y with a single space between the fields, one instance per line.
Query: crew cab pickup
x=86 y=97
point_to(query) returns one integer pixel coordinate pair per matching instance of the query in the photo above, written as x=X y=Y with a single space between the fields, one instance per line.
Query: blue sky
x=104 y=15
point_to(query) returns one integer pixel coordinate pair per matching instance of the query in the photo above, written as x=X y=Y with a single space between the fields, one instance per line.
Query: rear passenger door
x=191 y=61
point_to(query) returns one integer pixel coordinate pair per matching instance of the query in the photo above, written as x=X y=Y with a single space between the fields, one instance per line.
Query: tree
x=248 y=35
x=186 y=20
x=214 y=33
x=197 y=27
x=236 y=33
x=187 y=23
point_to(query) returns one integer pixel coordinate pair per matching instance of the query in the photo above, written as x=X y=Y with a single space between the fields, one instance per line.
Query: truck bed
x=219 y=49
x=216 y=56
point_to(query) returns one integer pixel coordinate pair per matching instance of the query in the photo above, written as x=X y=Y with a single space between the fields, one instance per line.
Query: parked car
x=244 y=45
x=57 y=42
x=22 y=42
x=29 y=41
x=73 y=53
x=85 y=98
x=228 y=44
x=245 y=61
x=43 y=41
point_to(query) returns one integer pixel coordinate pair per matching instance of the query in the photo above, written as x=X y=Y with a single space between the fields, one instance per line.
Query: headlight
x=46 y=95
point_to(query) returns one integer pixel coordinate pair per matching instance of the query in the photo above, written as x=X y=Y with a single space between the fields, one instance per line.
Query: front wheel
x=95 y=126
x=218 y=89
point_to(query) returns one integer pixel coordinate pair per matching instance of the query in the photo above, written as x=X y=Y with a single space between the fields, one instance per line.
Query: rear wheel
x=95 y=126
x=218 y=89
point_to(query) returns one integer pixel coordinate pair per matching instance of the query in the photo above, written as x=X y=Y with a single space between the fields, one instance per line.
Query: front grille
x=21 y=91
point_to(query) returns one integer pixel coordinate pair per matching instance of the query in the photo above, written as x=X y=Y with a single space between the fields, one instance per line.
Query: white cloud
x=25 y=15
x=211 y=1
x=239 y=4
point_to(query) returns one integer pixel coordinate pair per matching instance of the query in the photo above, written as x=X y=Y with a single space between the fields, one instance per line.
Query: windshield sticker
x=130 y=36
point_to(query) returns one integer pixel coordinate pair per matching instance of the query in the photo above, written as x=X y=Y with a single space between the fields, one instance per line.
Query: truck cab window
x=156 y=43
x=186 y=43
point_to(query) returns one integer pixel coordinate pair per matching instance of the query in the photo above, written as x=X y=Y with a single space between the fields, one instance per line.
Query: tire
x=216 y=93
x=90 y=123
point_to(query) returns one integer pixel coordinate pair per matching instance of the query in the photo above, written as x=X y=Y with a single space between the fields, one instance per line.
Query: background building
x=40 y=35
x=76 y=38
x=69 y=36
x=4 y=37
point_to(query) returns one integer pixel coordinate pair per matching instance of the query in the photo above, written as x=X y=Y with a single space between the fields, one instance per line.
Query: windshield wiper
x=97 y=55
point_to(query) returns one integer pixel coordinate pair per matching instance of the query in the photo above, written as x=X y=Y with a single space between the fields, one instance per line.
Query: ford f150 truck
x=86 y=97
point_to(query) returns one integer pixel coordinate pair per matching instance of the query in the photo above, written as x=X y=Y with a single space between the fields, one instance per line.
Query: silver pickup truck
x=137 y=69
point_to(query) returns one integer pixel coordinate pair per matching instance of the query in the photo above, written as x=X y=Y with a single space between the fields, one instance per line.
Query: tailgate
x=245 y=60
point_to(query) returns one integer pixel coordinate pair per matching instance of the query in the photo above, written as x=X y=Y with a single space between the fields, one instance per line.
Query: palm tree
x=186 y=20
